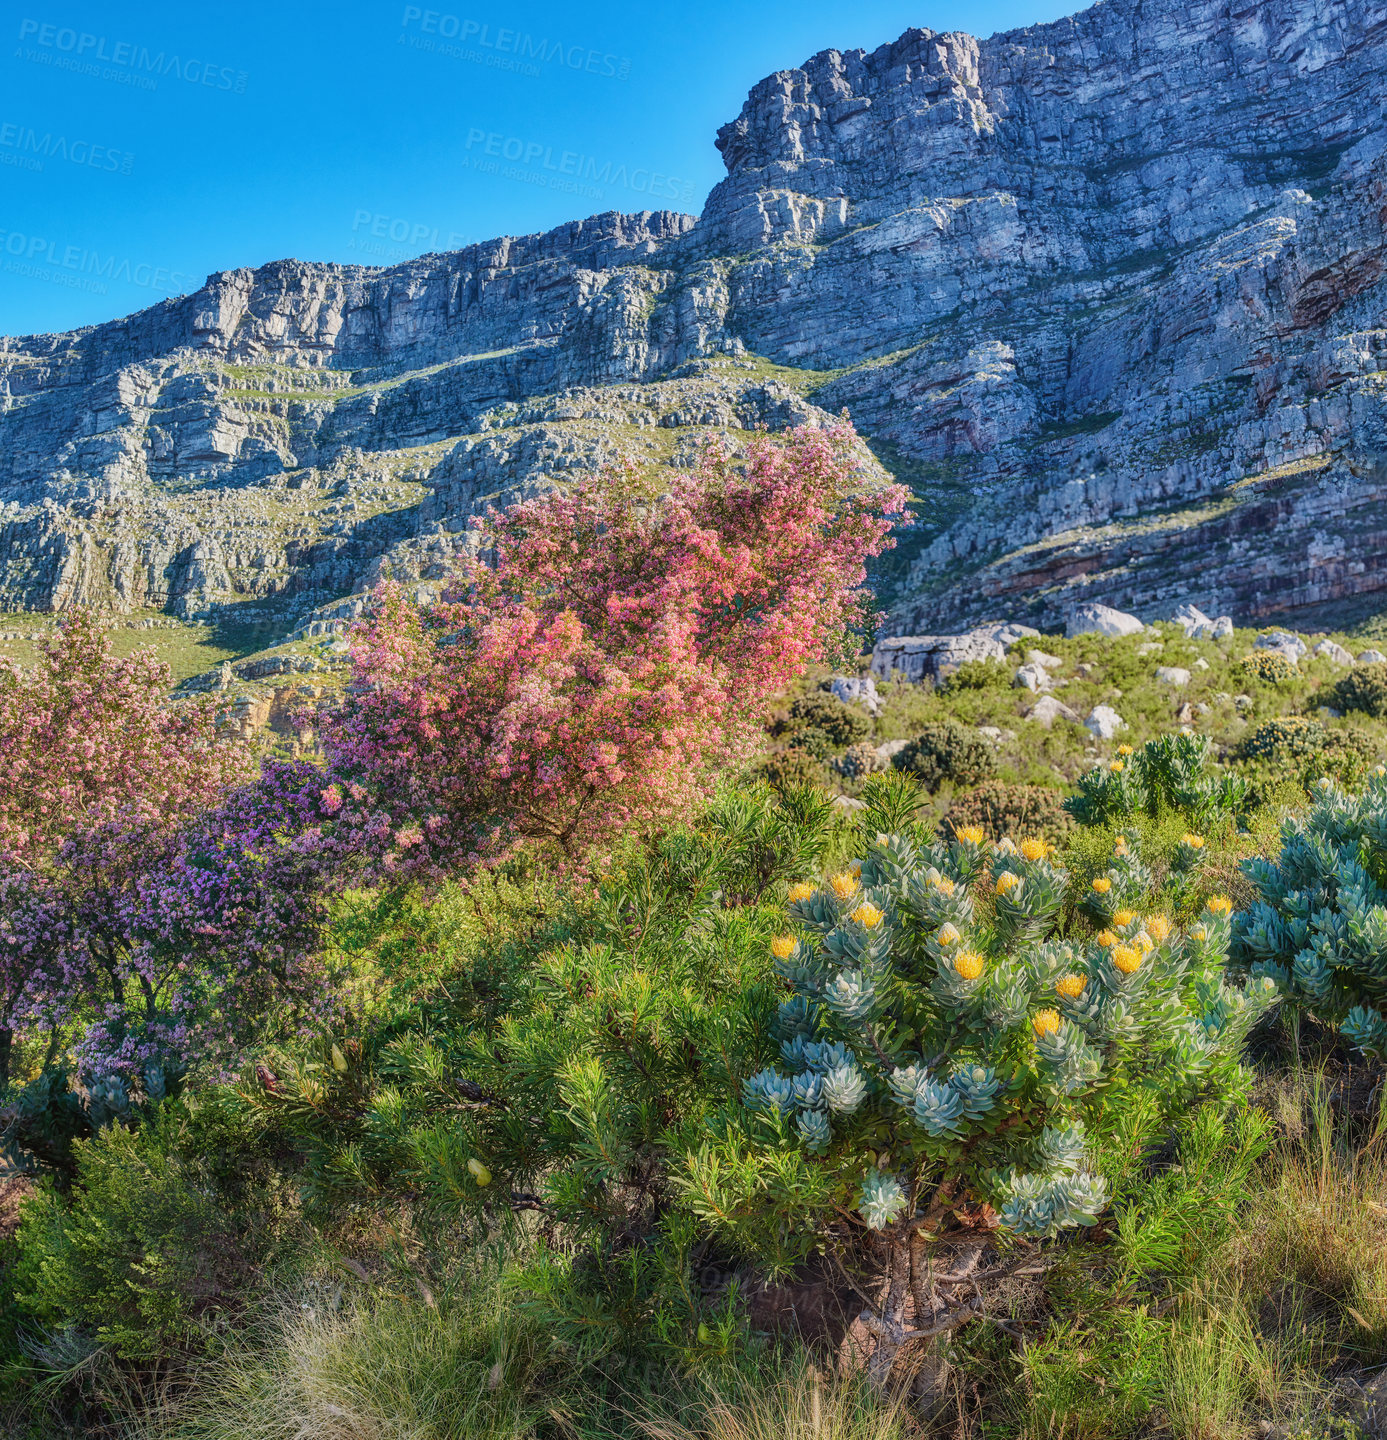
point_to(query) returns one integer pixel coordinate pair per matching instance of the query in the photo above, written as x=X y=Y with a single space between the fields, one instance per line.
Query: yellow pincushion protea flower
x=1117 y=766
x=1124 y=918
x=844 y=884
x=948 y=935
x=1380 y=769
x=1106 y=939
x=1034 y=849
x=1219 y=905
x=1158 y=928
x=1046 y=1022
x=801 y=891
x=1071 y=986
x=1199 y=933
x=855 y=868
x=1126 y=958
x=969 y=964
x=1102 y=885
x=969 y=834
x=783 y=946
x=943 y=884
x=868 y=916
x=1195 y=842
x=1124 y=749
x=1143 y=942
x=1007 y=882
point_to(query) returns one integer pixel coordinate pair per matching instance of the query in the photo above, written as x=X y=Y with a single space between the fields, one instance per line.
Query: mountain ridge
x=1107 y=292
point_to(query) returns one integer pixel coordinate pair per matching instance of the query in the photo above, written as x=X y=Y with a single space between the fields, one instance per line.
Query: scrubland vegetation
x=600 y=1036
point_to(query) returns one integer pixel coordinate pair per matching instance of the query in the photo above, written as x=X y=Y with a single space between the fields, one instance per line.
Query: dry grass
x=1316 y=1234
x=1220 y=1372
x=1299 y=1292
x=475 y=1367
x=800 y=1405
x=383 y=1368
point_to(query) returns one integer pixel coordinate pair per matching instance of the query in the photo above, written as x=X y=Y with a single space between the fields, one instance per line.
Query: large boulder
x=1334 y=652
x=1047 y=710
x=1172 y=675
x=1008 y=632
x=852 y=691
x=1218 y=629
x=1103 y=620
x=1371 y=657
x=1104 y=722
x=1282 y=642
x=936 y=657
x=1032 y=677
x=1198 y=626
x=1190 y=618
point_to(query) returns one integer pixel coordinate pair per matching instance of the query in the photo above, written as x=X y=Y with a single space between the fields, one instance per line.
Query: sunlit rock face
x=1107 y=293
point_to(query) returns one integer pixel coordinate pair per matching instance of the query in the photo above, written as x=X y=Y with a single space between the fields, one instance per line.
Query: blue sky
x=143 y=146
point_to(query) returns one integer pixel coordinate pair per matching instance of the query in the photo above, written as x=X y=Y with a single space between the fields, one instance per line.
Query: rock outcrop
x=1107 y=293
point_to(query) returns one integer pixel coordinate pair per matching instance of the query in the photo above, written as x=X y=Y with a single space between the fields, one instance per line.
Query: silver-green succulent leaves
x=880 y=1200
x=939 y=1030
x=1319 y=929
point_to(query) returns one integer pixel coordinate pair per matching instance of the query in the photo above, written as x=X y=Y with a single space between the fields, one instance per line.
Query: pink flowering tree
x=98 y=772
x=87 y=739
x=612 y=654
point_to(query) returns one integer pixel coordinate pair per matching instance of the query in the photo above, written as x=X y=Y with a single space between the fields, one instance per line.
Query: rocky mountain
x=1110 y=294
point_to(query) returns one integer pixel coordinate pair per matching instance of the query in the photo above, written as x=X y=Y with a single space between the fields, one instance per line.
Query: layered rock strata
x=1109 y=294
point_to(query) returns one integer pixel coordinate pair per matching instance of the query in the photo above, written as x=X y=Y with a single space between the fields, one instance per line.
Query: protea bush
x=1122 y=887
x=948 y=1070
x=1319 y=930
x=1168 y=774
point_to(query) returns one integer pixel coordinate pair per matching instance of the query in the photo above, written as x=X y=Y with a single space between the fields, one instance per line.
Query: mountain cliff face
x=1110 y=294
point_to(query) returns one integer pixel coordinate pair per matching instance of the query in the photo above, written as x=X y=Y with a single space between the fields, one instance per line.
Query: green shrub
x=1166 y=774
x=980 y=675
x=1363 y=689
x=786 y=769
x=1347 y=757
x=859 y=760
x=1001 y=810
x=162 y=1237
x=947 y=752
x=813 y=741
x=1265 y=667
x=557 y=1081
x=1320 y=927
x=842 y=723
x=940 y=1074
x=1286 y=737
x=1307 y=750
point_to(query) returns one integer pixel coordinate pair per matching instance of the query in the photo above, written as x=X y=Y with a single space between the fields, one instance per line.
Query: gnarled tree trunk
x=929 y=1286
